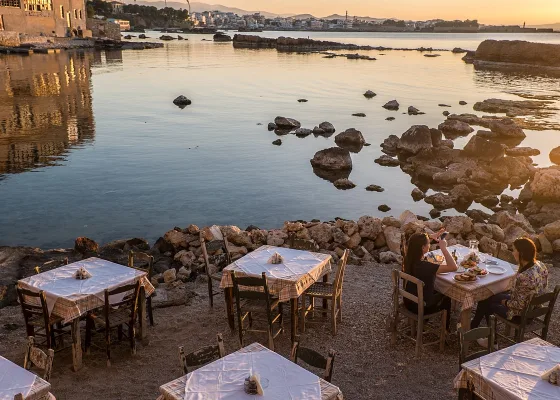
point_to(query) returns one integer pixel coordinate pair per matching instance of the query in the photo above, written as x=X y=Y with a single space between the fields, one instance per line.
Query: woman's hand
x=435 y=236
x=442 y=244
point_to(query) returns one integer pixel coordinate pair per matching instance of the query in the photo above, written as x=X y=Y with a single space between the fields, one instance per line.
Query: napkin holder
x=82 y=273
x=253 y=385
x=552 y=375
x=276 y=259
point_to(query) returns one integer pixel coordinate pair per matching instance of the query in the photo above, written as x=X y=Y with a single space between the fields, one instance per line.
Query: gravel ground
x=366 y=367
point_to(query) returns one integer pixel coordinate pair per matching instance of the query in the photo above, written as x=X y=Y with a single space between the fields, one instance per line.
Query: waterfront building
x=117 y=7
x=123 y=24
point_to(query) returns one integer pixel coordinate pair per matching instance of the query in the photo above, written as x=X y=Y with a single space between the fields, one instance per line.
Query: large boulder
x=507 y=128
x=84 y=245
x=392 y=105
x=481 y=148
x=177 y=239
x=370 y=227
x=506 y=219
x=276 y=237
x=512 y=233
x=393 y=238
x=182 y=101
x=555 y=155
x=546 y=184
x=334 y=158
x=289 y=123
x=522 y=152
x=390 y=145
x=452 y=128
x=459 y=225
x=519 y=52
x=321 y=233
x=416 y=138
x=552 y=231
x=327 y=127
x=351 y=137
x=237 y=236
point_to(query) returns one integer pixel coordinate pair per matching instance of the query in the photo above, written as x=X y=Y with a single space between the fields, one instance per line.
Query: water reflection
x=45 y=109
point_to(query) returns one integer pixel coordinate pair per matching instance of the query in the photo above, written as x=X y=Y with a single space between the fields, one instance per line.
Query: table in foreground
x=14 y=380
x=513 y=373
x=288 y=280
x=70 y=298
x=468 y=293
x=224 y=378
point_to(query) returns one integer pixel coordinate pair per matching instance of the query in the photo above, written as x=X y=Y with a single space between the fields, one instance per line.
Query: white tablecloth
x=14 y=380
x=60 y=282
x=224 y=379
x=288 y=280
x=515 y=372
x=470 y=292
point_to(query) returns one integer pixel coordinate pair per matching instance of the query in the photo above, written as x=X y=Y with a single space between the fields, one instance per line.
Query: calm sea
x=91 y=143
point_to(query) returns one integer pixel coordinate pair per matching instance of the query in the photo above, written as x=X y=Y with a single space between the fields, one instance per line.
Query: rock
x=440 y=201
x=416 y=138
x=302 y=100
x=546 y=246
x=432 y=55
x=387 y=161
x=417 y=194
x=505 y=220
x=512 y=233
x=183 y=274
x=182 y=101
x=497 y=233
x=519 y=52
x=321 y=233
x=237 y=236
x=240 y=250
x=166 y=37
x=384 y=208
x=369 y=227
x=552 y=231
x=489 y=201
x=277 y=142
x=259 y=237
x=481 y=148
x=546 y=184
x=507 y=128
x=487 y=134
x=186 y=258
x=177 y=239
x=393 y=238
x=391 y=221
x=434 y=225
x=142 y=36
x=170 y=275
x=413 y=111
x=437 y=137
x=354 y=241
x=447 y=143
x=462 y=194
x=505 y=198
x=458 y=225
x=344 y=184
x=272 y=126
x=339 y=236
x=488 y=245
x=477 y=215
x=289 y=123
x=334 y=158
x=84 y=245
x=390 y=119
x=390 y=145
x=556 y=245
x=455 y=128
x=276 y=237
x=374 y=188
x=327 y=127
x=458 y=50
x=369 y=94
x=555 y=155
x=179 y=37
x=445 y=113
x=434 y=213
x=303 y=132
x=483 y=229
x=392 y=105
x=359 y=115
x=293 y=226
x=463 y=103
x=389 y=257
x=350 y=137
x=522 y=152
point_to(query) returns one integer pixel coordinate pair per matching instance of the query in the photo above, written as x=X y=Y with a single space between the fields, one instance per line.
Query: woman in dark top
x=418 y=267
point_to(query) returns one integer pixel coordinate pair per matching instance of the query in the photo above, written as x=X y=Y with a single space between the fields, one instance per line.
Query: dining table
x=513 y=373
x=287 y=280
x=16 y=380
x=225 y=378
x=70 y=298
x=469 y=293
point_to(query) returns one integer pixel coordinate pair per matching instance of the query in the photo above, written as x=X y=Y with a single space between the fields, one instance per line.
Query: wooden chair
x=38 y=322
x=148 y=267
x=35 y=357
x=465 y=338
x=417 y=321
x=252 y=296
x=531 y=320
x=213 y=275
x=202 y=356
x=116 y=315
x=314 y=359
x=58 y=262
x=327 y=291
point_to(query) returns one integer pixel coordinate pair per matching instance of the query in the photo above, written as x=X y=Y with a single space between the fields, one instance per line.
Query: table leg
x=325 y=301
x=294 y=318
x=142 y=327
x=466 y=319
x=76 y=345
x=228 y=294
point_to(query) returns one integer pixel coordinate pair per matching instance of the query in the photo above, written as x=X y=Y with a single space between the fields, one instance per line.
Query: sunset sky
x=486 y=11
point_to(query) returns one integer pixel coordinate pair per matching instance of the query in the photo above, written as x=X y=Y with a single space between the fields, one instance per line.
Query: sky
x=486 y=11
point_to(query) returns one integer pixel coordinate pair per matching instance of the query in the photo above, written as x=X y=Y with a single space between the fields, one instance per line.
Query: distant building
x=117 y=7
x=43 y=17
x=123 y=24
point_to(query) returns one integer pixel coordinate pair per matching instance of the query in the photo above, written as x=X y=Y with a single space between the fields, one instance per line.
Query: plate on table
x=460 y=269
x=496 y=270
x=463 y=279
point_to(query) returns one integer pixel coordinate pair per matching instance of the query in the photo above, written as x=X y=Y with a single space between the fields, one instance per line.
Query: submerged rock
x=277 y=142
x=455 y=128
x=303 y=132
x=359 y=115
x=387 y=161
x=415 y=139
x=283 y=122
x=392 y=105
x=350 y=137
x=384 y=208
x=327 y=127
x=375 y=188
x=334 y=158
x=481 y=148
x=369 y=94
x=182 y=101
x=344 y=184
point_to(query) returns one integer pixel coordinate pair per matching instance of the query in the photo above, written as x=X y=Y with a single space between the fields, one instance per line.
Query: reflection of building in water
x=45 y=107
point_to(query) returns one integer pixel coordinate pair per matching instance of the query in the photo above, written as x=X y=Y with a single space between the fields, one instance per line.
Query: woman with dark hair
x=531 y=279
x=415 y=265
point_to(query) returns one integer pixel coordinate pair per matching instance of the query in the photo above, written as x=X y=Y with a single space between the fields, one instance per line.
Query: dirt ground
x=366 y=367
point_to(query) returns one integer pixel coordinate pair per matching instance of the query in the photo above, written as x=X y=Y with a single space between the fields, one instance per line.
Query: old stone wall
x=9 y=39
x=104 y=29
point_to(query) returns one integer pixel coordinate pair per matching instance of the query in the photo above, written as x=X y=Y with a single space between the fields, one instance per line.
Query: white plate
x=443 y=273
x=460 y=269
x=496 y=270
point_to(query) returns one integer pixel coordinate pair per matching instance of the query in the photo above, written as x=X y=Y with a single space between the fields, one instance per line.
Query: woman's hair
x=527 y=253
x=414 y=252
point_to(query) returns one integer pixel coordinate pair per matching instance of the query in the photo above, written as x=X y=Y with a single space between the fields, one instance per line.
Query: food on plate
x=466 y=277
x=472 y=257
x=435 y=258
x=468 y=263
x=479 y=271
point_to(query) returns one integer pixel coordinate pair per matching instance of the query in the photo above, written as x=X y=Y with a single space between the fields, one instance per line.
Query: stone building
x=43 y=17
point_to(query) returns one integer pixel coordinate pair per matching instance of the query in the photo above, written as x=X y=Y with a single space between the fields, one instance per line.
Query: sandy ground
x=366 y=367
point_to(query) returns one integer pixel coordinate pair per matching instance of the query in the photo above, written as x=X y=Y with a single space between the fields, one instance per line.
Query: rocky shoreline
x=79 y=44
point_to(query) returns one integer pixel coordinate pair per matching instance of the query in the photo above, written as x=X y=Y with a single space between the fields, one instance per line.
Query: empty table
x=224 y=379
x=70 y=298
x=288 y=280
x=15 y=380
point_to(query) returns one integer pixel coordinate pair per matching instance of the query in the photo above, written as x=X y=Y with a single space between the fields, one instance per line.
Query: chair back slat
x=339 y=278
x=466 y=337
x=399 y=291
x=408 y=296
x=35 y=357
x=225 y=245
x=202 y=356
x=34 y=304
x=314 y=359
x=142 y=257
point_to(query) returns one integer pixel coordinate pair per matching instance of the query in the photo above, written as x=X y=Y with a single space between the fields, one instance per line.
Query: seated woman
x=531 y=279
x=415 y=265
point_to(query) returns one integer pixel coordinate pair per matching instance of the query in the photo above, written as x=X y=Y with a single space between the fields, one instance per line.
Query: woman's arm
x=520 y=293
x=450 y=264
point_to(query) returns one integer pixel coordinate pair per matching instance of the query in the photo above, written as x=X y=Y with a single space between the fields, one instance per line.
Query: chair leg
x=333 y=316
x=340 y=309
x=419 y=336
x=302 y=313
x=443 y=330
x=89 y=322
x=150 y=311
x=210 y=292
x=61 y=337
x=395 y=328
x=270 y=337
x=281 y=319
x=108 y=344
x=412 y=327
x=240 y=327
x=131 y=335
x=120 y=332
